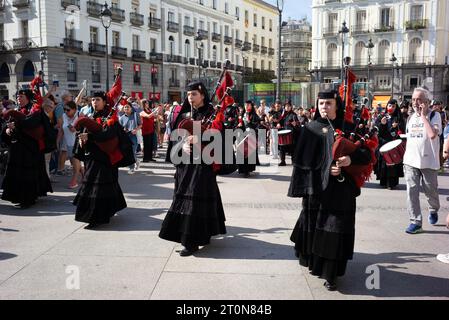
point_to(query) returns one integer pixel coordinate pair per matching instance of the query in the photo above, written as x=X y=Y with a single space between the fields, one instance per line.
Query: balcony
x=263 y=50
x=205 y=64
x=66 y=3
x=238 y=43
x=416 y=24
x=136 y=19
x=154 y=23
x=228 y=40
x=20 y=4
x=118 y=15
x=239 y=68
x=172 y=26
x=174 y=83
x=415 y=60
x=118 y=52
x=96 y=49
x=22 y=43
x=330 y=31
x=247 y=46
x=138 y=55
x=204 y=34
x=384 y=28
x=94 y=9
x=359 y=29
x=271 y=51
x=156 y=57
x=216 y=37
x=189 y=31
x=297 y=44
x=219 y=65
x=256 y=48
x=173 y=58
x=213 y=64
x=192 y=61
x=73 y=45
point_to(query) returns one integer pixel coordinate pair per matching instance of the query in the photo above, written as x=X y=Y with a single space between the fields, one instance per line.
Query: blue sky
x=296 y=9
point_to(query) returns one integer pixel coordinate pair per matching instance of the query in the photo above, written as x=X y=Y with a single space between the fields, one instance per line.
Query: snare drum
x=393 y=152
x=285 y=137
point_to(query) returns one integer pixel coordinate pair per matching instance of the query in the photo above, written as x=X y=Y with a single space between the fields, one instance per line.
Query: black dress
x=287 y=124
x=26 y=178
x=324 y=233
x=100 y=196
x=196 y=213
x=251 y=121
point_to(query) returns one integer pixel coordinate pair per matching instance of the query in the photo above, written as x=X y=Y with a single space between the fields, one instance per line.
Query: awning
x=383 y=100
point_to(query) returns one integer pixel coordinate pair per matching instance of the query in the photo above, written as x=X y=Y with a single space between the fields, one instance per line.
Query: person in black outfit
x=26 y=178
x=324 y=233
x=196 y=213
x=391 y=125
x=100 y=196
x=251 y=121
x=289 y=121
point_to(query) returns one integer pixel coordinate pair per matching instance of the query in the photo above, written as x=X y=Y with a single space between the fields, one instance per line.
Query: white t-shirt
x=421 y=151
x=69 y=136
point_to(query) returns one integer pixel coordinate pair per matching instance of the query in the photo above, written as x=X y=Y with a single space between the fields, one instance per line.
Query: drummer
x=391 y=125
x=289 y=121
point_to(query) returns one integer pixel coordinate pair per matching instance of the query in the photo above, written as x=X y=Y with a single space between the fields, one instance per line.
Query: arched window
x=4 y=73
x=415 y=50
x=360 y=54
x=384 y=52
x=28 y=71
x=187 y=48
x=332 y=59
x=172 y=45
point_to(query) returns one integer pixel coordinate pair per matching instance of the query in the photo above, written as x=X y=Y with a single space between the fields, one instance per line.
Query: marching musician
x=231 y=115
x=324 y=232
x=251 y=121
x=100 y=196
x=391 y=125
x=26 y=178
x=274 y=117
x=196 y=213
x=289 y=121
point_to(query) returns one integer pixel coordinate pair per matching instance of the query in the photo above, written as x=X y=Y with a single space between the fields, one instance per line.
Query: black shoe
x=330 y=286
x=186 y=252
x=25 y=205
x=282 y=164
x=246 y=175
x=92 y=226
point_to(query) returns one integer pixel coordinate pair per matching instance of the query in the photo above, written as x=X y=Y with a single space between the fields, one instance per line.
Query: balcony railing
x=138 y=55
x=297 y=44
x=206 y=64
x=136 y=19
x=66 y=3
x=21 y=3
x=271 y=51
x=97 y=49
x=228 y=40
x=415 y=60
x=192 y=61
x=73 y=45
x=213 y=64
x=173 y=58
x=416 y=24
x=204 y=34
x=360 y=29
x=94 y=9
x=330 y=31
x=263 y=50
x=156 y=57
x=384 y=28
x=154 y=23
x=118 y=15
x=256 y=48
x=247 y=46
x=119 y=52
x=22 y=43
x=238 y=43
x=216 y=37
x=189 y=31
x=174 y=83
x=172 y=26
x=219 y=65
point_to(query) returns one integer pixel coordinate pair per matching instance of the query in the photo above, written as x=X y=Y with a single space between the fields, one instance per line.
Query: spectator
x=147 y=131
x=131 y=122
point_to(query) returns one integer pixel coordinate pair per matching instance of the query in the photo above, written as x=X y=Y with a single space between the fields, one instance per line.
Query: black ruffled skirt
x=324 y=239
x=196 y=213
x=100 y=196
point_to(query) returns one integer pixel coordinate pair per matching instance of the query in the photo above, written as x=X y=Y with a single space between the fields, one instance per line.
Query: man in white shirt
x=422 y=160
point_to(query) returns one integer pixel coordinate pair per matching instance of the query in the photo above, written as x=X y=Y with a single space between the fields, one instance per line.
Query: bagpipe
x=112 y=147
x=346 y=143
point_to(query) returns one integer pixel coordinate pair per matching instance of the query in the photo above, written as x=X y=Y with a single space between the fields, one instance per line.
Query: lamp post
x=43 y=56
x=282 y=75
x=280 y=6
x=370 y=47
x=153 y=74
x=106 y=19
x=393 y=61
x=200 y=47
x=344 y=30
x=244 y=57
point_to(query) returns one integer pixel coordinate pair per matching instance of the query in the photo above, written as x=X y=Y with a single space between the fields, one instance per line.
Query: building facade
x=161 y=45
x=410 y=44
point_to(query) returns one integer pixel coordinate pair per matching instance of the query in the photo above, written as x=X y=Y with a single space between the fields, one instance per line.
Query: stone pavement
x=42 y=249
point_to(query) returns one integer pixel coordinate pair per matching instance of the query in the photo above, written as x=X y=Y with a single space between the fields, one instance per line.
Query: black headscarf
x=198 y=86
x=330 y=95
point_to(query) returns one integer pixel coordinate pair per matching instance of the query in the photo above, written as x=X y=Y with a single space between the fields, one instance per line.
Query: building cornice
x=201 y=9
x=263 y=5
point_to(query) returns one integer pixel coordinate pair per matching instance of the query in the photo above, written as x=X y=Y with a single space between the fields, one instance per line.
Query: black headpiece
x=330 y=95
x=100 y=94
x=27 y=92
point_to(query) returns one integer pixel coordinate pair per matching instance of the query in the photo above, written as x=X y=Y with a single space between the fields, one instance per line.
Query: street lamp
x=43 y=56
x=280 y=6
x=106 y=19
x=153 y=74
x=370 y=47
x=393 y=61
x=282 y=75
x=200 y=47
x=344 y=30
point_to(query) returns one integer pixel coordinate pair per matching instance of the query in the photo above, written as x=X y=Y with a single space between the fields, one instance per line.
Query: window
x=332 y=59
x=171 y=16
x=135 y=5
x=214 y=4
x=152 y=14
x=237 y=34
x=202 y=2
x=96 y=71
x=171 y=41
x=71 y=69
x=246 y=18
x=255 y=64
x=263 y=42
x=69 y=30
x=255 y=20
x=152 y=45
x=416 y=12
x=270 y=43
x=361 y=18
x=226 y=54
x=227 y=31
x=116 y=38
x=226 y=8
x=384 y=52
x=137 y=74
x=237 y=13
x=214 y=53
x=270 y=65
x=263 y=23
x=385 y=17
x=93 y=35
x=332 y=21
x=271 y=25
x=25 y=28
x=262 y=65
x=135 y=42
x=215 y=27
x=187 y=21
x=201 y=25
x=383 y=81
x=115 y=3
x=187 y=49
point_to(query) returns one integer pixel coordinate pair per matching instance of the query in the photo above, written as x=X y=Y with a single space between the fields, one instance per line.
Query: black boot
x=331 y=285
x=188 y=251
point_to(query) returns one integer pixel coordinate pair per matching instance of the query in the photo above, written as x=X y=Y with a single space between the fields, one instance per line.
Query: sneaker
x=443 y=258
x=433 y=218
x=131 y=171
x=414 y=229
